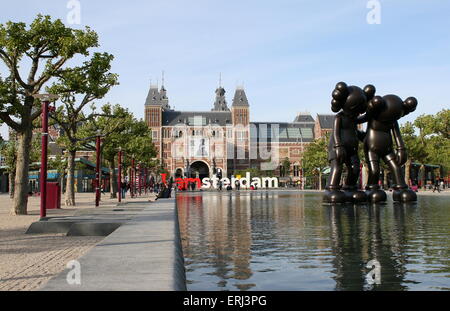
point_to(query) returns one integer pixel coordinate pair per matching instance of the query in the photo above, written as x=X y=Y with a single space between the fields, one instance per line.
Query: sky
x=288 y=54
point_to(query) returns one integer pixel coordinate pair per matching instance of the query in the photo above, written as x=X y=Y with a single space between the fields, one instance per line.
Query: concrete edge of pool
x=144 y=254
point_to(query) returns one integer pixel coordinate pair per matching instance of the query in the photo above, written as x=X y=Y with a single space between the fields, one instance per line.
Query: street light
x=45 y=99
x=97 y=169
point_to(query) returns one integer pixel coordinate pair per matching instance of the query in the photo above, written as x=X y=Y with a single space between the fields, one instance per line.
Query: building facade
x=224 y=140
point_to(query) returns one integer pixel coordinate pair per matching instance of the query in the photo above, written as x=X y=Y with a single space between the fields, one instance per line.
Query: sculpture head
x=390 y=108
x=351 y=99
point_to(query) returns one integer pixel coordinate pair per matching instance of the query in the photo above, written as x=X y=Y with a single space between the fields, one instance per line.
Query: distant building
x=202 y=143
x=323 y=125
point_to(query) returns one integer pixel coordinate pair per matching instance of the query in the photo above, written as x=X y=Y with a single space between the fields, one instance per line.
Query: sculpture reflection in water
x=358 y=232
x=356 y=106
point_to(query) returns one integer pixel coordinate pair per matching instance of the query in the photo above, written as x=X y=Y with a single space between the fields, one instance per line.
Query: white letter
x=74 y=15
x=206 y=183
x=376 y=271
x=225 y=182
x=256 y=182
x=246 y=179
x=215 y=180
x=374 y=16
x=271 y=181
x=74 y=275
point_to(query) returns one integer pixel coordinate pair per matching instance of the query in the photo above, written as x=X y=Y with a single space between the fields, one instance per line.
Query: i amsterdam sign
x=213 y=183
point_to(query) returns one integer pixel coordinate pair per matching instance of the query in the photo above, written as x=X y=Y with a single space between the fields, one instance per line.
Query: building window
x=155 y=135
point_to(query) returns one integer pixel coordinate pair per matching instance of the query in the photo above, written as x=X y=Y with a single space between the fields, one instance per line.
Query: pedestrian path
x=144 y=254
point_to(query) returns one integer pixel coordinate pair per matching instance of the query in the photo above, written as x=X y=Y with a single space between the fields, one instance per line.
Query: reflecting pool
x=288 y=240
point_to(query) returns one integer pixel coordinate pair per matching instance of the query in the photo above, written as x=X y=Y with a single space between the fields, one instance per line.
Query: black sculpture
x=382 y=116
x=349 y=102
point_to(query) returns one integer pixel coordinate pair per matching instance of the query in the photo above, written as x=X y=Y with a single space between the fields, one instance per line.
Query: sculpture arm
x=338 y=147
x=401 y=150
x=397 y=136
x=337 y=131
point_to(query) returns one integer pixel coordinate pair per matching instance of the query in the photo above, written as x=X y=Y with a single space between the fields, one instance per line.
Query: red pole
x=145 y=180
x=119 y=177
x=43 y=177
x=97 y=173
x=140 y=178
x=133 y=180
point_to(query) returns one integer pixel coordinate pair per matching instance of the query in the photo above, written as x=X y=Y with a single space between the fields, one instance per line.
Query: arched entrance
x=199 y=169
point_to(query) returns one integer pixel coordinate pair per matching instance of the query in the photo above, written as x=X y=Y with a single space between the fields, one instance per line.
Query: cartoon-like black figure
x=382 y=116
x=349 y=102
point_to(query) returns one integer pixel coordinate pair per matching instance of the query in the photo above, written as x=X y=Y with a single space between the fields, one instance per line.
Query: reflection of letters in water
x=199 y=147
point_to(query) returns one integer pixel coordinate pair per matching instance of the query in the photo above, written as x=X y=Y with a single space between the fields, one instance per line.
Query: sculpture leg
x=333 y=193
x=351 y=188
x=401 y=191
x=374 y=193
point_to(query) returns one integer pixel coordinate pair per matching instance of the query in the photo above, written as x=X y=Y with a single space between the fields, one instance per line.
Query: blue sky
x=288 y=54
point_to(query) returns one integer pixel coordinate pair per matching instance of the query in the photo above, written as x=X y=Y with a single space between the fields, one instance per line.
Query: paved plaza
x=29 y=261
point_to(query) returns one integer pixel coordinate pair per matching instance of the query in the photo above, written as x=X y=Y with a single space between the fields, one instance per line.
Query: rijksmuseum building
x=224 y=140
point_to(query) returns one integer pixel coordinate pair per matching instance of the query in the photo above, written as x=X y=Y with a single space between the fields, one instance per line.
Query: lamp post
x=119 y=173
x=45 y=99
x=97 y=170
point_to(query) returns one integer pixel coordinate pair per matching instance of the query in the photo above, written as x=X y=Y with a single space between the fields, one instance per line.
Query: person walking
x=436 y=186
x=123 y=188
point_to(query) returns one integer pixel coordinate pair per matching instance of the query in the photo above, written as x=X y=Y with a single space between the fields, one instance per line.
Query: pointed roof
x=326 y=120
x=153 y=97
x=157 y=97
x=240 y=98
x=220 y=103
x=304 y=118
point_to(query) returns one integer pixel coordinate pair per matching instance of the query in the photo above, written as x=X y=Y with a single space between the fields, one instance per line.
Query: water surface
x=288 y=240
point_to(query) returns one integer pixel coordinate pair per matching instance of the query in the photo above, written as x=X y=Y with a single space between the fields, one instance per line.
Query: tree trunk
x=70 y=181
x=320 y=179
x=408 y=172
x=11 y=184
x=112 y=180
x=22 y=169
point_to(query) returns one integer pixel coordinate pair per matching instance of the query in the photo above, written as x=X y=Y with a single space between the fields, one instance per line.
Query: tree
x=9 y=151
x=42 y=50
x=315 y=158
x=78 y=87
x=122 y=130
x=432 y=144
x=120 y=133
x=285 y=167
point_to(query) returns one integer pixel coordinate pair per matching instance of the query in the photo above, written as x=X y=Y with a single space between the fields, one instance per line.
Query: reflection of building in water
x=219 y=235
x=357 y=238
